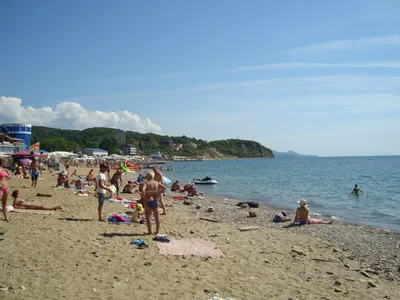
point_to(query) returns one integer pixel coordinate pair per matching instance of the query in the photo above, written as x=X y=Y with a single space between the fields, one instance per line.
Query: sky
x=316 y=77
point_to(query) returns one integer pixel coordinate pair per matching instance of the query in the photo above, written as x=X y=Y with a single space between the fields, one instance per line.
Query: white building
x=155 y=154
x=95 y=152
x=130 y=150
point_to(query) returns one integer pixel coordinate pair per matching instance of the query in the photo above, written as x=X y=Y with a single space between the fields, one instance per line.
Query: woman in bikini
x=22 y=204
x=150 y=192
x=303 y=215
x=4 y=174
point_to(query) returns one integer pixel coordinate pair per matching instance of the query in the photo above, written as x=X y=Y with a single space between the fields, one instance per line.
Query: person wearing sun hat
x=303 y=215
x=139 y=211
x=62 y=179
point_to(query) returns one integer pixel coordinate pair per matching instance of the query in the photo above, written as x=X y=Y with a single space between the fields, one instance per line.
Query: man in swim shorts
x=114 y=180
x=34 y=169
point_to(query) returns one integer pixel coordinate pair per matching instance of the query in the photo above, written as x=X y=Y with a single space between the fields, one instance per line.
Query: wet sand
x=70 y=255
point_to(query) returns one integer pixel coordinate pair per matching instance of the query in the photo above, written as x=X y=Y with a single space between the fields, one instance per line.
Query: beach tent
x=57 y=154
x=21 y=154
x=117 y=157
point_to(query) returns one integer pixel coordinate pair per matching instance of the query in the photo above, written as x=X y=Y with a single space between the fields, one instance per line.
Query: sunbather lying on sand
x=303 y=215
x=22 y=204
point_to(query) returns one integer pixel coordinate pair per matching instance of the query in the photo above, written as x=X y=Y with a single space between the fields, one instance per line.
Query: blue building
x=18 y=131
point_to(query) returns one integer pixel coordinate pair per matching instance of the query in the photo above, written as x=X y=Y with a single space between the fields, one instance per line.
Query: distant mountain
x=113 y=140
x=290 y=154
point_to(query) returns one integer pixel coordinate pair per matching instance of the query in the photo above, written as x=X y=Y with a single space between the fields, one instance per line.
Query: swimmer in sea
x=303 y=215
x=356 y=190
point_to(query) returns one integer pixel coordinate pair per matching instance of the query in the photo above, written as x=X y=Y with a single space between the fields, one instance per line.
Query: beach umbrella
x=26 y=162
x=167 y=181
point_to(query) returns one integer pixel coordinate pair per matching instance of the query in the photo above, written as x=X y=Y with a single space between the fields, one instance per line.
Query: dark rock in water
x=250 y=204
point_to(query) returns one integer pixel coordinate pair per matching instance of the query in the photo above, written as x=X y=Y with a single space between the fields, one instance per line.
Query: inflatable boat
x=205 y=180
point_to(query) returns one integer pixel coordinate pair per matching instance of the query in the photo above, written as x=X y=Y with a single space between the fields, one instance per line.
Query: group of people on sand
x=151 y=191
x=17 y=203
x=190 y=188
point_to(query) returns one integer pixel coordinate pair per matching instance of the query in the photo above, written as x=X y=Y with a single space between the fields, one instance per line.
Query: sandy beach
x=70 y=255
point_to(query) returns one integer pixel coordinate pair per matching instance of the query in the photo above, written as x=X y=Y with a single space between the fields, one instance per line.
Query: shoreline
x=373 y=246
x=289 y=211
x=374 y=215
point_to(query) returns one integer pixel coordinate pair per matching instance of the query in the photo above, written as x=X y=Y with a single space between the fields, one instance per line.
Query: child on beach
x=151 y=192
x=138 y=213
x=101 y=189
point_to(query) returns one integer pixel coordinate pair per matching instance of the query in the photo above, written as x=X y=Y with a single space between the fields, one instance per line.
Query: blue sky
x=310 y=76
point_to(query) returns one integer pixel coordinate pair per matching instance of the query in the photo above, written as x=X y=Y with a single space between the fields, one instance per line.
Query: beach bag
x=279 y=217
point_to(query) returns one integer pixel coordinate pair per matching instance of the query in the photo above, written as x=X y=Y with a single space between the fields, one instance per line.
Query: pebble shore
x=375 y=248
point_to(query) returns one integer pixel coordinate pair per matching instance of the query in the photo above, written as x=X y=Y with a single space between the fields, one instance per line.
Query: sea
x=326 y=184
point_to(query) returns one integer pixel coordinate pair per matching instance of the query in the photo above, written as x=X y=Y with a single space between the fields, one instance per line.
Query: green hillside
x=52 y=139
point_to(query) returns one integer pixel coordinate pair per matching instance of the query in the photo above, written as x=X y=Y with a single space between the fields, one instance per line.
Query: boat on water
x=205 y=180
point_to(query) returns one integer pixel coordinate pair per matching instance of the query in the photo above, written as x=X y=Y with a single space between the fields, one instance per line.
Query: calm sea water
x=326 y=183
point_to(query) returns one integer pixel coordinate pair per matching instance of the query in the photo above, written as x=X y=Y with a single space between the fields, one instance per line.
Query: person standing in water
x=356 y=191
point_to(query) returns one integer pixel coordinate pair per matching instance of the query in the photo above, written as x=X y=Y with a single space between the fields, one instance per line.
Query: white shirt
x=101 y=177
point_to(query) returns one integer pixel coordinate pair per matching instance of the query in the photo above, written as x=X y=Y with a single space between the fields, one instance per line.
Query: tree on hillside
x=58 y=144
x=110 y=144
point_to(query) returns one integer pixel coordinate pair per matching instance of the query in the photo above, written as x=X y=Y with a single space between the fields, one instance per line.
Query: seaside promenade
x=70 y=255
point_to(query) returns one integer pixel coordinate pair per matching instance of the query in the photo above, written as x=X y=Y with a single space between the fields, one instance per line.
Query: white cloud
x=389 y=40
x=273 y=66
x=73 y=116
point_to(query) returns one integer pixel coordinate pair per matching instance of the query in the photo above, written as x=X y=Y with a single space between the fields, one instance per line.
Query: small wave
x=315 y=204
x=381 y=214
